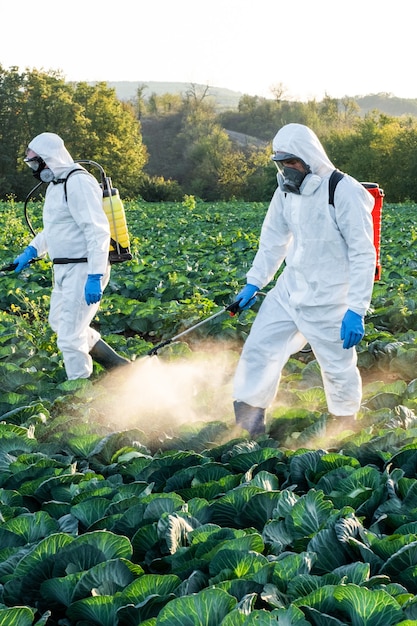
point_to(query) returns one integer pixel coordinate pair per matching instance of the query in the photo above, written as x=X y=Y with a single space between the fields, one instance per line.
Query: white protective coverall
x=72 y=228
x=329 y=267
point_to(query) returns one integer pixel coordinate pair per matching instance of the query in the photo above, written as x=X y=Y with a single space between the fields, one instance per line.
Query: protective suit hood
x=301 y=141
x=51 y=148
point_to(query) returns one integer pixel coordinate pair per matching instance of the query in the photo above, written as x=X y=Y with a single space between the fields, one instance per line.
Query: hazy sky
x=310 y=47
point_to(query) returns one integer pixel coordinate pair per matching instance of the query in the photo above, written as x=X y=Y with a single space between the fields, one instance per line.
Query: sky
x=308 y=48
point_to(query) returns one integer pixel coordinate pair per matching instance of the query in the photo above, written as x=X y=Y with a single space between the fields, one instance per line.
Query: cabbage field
x=131 y=498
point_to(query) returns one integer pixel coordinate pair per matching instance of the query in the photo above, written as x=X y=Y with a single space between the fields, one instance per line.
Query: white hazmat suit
x=73 y=228
x=329 y=268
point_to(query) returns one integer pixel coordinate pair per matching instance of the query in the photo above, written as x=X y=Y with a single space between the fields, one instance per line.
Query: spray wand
x=233 y=309
x=12 y=266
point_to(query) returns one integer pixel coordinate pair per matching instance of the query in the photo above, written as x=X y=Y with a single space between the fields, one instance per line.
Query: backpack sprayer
x=119 y=250
x=115 y=213
x=378 y=194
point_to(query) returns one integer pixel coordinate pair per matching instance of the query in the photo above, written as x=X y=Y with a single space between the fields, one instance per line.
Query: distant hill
x=387 y=103
x=227 y=99
x=224 y=98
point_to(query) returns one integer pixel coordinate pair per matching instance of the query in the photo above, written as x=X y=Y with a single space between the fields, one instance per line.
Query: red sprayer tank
x=378 y=194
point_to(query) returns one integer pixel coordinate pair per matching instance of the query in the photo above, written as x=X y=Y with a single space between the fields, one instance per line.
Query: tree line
x=168 y=146
x=94 y=124
x=374 y=147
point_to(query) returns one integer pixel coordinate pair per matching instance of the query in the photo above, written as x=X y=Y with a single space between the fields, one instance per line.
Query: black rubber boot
x=103 y=354
x=251 y=418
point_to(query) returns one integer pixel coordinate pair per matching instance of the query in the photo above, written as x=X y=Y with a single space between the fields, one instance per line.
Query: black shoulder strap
x=335 y=176
x=64 y=180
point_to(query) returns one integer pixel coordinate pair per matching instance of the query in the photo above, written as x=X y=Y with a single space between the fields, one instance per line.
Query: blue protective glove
x=24 y=259
x=92 y=289
x=247 y=298
x=352 y=329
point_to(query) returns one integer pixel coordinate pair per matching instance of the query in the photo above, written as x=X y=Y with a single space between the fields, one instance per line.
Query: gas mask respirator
x=39 y=169
x=290 y=178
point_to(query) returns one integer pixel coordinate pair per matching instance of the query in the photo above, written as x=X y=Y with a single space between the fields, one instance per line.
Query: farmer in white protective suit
x=76 y=236
x=325 y=289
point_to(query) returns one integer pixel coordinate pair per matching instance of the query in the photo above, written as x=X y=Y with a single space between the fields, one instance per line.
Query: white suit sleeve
x=274 y=241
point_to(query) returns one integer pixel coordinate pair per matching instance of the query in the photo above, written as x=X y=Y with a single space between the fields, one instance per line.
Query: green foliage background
x=94 y=124
x=169 y=146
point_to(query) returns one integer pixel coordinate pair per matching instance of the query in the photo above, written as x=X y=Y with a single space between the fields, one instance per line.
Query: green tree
x=48 y=104
x=139 y=102
x=92 y=121
x=109 y=134
x=11 y=132
x=329 y=111
x=373 y=151
x=349 y=109
x=164 y=104
x=399 y=171
x=247 y=175
x=204 y=142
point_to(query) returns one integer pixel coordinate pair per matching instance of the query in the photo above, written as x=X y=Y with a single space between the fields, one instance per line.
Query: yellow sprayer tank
x=119 y=234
